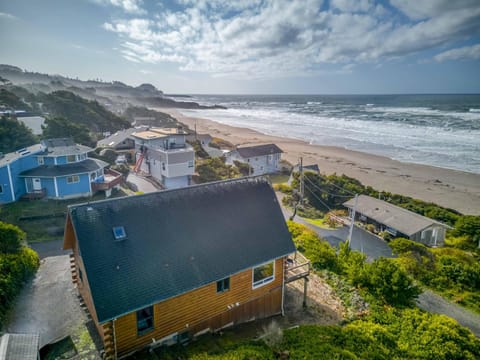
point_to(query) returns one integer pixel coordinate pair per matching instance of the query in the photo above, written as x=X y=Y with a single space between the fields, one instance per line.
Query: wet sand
x=449 y=188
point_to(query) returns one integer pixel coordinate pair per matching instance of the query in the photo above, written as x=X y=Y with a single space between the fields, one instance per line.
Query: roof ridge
x=403 y=209
x=244 y=179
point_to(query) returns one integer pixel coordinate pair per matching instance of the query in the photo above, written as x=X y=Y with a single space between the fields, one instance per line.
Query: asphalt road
x=362 y=240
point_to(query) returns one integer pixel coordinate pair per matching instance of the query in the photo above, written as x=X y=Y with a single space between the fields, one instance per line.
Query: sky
x=251 y=46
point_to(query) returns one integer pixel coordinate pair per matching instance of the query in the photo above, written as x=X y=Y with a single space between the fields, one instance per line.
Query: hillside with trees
x=14 y=135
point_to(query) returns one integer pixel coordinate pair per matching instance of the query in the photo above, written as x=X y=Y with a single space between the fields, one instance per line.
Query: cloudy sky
x=251 y=46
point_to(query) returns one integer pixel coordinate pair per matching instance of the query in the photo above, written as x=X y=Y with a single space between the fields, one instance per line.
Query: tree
x=468 y=225
x=388 y=281
x=11 y=238
x=60 y=127
x=14 y=135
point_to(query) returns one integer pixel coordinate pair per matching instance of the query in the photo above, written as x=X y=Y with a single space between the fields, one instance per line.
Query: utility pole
x=352 y=221
x=196 y=130
x=302 y=182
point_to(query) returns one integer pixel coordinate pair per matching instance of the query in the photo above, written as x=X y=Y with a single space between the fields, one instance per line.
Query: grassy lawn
x=322 y=223
x=44 y=219
x=278 y=178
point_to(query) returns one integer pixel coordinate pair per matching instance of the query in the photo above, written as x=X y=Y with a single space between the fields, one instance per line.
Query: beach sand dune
x=449 y=188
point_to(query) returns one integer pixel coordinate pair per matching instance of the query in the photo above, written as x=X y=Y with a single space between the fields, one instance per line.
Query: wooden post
x=305 y=286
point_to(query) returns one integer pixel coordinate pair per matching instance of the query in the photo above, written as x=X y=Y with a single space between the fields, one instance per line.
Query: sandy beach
x=449 y=188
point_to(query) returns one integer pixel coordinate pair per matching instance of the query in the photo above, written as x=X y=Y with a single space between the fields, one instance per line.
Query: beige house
x=397 y=221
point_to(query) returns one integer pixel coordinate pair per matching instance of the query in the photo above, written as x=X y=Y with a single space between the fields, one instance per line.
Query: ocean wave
x=474 y=110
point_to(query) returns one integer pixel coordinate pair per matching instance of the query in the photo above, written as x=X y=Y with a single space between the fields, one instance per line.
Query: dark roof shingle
x=176 y=241
x=77 y=168
x=259 y=150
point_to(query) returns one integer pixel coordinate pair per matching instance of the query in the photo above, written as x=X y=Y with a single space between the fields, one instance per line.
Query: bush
x=320 y=253
x=283 y=188
x=11 y=238
x=244 y=168
x=15 y=268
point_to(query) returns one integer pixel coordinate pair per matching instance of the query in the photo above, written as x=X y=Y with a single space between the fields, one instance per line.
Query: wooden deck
x=111 y=178
x=297 y=267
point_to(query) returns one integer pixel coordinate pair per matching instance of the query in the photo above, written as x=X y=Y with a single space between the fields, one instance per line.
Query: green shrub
x=15 y=269
x=283 y=188
x=11 y=238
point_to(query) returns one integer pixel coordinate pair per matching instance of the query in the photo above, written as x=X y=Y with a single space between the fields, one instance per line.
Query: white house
x=164 y=154
x=263 y=159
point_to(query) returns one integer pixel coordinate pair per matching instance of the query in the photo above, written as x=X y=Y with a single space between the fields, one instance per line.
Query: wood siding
x=203 y=309
x=83 y=287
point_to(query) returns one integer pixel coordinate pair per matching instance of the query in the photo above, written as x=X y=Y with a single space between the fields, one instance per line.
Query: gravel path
x=431 y=302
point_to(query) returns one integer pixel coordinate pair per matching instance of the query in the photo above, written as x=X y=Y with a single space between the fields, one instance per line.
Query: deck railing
x=297 y=266
x=111 y=178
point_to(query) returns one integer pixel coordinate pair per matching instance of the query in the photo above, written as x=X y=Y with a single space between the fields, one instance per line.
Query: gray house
x=263 y=159
x=164 y=154
x=397 y=221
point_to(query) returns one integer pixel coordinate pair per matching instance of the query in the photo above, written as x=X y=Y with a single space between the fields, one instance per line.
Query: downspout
x=11 y=182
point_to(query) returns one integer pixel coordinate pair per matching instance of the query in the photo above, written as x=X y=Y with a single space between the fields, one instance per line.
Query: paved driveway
x=141 y=183
x=48 y=304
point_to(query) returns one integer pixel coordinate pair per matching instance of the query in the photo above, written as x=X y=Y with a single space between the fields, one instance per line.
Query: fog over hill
x=115 y=95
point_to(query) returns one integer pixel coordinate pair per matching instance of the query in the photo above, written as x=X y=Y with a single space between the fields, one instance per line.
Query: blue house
x=55 y=169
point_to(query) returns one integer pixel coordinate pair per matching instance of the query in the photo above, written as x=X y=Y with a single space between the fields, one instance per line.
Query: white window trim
x=41 y=160
x=265 y=281
x=73 y=176
x=69 y=162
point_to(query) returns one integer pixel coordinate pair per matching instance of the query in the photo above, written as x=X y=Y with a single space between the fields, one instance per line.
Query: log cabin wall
x=204 y=309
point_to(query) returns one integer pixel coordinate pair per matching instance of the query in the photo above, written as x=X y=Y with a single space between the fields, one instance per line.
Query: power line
x=324 y=191
x=316 y=197
x=338 y=187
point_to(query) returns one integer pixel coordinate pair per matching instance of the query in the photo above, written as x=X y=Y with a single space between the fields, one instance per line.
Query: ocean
x=437 y=130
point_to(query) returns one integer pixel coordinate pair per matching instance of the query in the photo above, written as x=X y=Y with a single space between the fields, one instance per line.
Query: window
x=263 y=274
x=1 y=189
x=71 y=158
x=119 y=233
x=223 y=285
x=73 y=179
x=144 y=320
x=40 y=160
x=190 y=163
x=163 y=166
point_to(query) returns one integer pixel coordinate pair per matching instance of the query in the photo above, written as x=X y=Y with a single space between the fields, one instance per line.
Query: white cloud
x=7 y=16
x=463 y=53
x=129 y=6
x=261 y=39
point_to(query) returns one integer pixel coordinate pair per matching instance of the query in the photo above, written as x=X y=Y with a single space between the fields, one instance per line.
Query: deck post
x=305 y=286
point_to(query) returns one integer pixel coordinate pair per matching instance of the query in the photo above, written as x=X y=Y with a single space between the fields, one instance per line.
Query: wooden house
x=164 y=267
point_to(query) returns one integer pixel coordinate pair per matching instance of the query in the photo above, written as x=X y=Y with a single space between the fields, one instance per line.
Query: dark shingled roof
x=63 y=146
x=259 y=150
x=82 y=167
x=177 y=240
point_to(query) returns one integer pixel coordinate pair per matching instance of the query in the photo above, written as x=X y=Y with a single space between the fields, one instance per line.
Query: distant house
x=263 y=159
x=121 y=140
x=56 y=169
x=164 y=267
x=204 y=139
x=34 y=123
x=398 y=221
x=19 y=347
x=164 y=154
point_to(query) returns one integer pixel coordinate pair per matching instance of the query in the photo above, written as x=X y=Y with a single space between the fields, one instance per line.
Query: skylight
x=119 y=233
